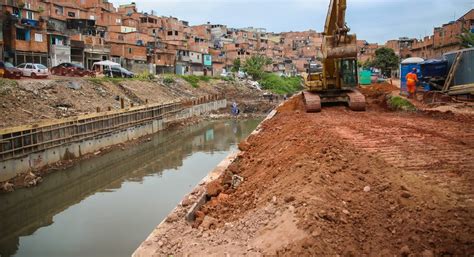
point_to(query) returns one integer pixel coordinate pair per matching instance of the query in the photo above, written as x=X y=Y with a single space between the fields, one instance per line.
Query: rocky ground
x=29 y=101
x=338 y=183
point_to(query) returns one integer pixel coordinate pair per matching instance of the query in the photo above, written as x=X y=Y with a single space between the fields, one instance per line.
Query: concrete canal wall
x=26 y=148
x=181 y=216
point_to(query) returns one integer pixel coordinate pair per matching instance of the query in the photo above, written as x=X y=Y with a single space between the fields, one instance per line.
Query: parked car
x=70 y=69
x=118 y=72
x=9 y=71
x=33 y=70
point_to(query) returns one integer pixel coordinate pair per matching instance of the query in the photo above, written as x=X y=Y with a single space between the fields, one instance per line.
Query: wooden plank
x=452 y=71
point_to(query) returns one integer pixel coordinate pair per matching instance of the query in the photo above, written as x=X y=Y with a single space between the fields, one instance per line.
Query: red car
x=9 y=71
x=70 y=69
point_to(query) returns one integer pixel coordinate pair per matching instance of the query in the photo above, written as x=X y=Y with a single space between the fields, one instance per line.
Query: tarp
x=107 y=63
x=412 y=60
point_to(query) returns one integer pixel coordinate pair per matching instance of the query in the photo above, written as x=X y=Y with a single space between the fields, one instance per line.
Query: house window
x=22 y=34
x=59 y=10
x=38 y=37
x=170 y=33
x=120 y=37
x=71 y=14
x=118 y=21
x=129 y=50
x=176 y=33
x=30 y=15
x=17 y=12
x=158 y=56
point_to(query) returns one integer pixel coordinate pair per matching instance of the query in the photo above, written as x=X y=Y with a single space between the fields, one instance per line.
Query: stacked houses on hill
x=86 y=31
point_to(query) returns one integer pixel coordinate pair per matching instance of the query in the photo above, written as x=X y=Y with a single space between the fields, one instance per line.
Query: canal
x=107 y=205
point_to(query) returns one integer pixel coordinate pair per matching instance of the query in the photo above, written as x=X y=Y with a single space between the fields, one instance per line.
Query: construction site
x=310 y=144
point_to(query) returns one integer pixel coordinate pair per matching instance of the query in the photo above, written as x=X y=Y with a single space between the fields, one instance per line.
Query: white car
x=33 y=70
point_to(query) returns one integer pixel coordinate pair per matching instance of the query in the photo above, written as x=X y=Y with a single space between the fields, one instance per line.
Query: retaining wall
x=26 y=148
x=185 y=213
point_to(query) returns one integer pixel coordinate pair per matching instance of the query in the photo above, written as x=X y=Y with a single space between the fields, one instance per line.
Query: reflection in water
x=107 y=205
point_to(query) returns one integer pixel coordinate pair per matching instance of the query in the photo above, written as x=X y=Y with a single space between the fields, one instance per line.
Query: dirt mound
x=378 y=89
x=352 y=184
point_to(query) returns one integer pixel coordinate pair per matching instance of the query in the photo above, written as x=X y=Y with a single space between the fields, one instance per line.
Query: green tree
x=236 y=65
x=385 y=59
x=255 y=66
x=467 y=39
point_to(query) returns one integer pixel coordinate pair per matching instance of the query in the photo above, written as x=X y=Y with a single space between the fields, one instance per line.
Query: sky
x=373 y=20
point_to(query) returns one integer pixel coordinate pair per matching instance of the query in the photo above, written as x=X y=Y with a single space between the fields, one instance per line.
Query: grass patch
x=228 y=79
x=194 y=80
x=281 y=85
x=168 y=80
x=144 y=76
x=401 y=104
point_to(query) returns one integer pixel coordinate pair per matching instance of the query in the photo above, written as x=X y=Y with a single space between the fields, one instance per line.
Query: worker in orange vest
x=412 y=79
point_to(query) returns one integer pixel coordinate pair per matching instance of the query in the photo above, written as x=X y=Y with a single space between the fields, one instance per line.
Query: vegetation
x=228 y=79
x=385 y=60
x=144 y=76
x=280 y=85
x=467 y=39
x=255 y=65
x=400 y=103
x=236 y=65
x=167 y=80
x=194 y=80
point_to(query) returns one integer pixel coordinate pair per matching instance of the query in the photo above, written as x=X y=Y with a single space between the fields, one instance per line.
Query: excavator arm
x=338 y=79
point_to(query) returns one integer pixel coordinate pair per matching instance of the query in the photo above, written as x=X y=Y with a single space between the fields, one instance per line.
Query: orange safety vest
x=412 y=78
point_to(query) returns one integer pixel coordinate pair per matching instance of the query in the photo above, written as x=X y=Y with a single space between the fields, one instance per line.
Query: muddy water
x=107 y=205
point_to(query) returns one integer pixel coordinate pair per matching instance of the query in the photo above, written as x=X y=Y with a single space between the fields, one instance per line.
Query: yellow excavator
x=338 y=79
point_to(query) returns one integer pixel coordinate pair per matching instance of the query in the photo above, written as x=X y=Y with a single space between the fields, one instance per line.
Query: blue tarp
x=434 y=68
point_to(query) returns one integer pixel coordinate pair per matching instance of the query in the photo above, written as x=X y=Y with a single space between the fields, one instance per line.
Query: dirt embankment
x=374 y=183
x=29 y=101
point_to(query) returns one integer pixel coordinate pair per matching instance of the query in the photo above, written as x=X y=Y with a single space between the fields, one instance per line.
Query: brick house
x=24 y=33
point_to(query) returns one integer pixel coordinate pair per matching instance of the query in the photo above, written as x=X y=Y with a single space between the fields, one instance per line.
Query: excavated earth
x=29 y=101
x=340 y=183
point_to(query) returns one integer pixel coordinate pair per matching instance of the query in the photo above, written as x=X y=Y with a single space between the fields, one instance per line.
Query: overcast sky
x=373 y=20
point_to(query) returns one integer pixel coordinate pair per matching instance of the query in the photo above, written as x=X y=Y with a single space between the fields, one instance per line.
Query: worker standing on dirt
x=412 y=80
x=235 y=109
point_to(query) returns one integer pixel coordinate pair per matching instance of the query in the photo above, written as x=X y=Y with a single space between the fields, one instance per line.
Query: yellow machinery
x=338 y=80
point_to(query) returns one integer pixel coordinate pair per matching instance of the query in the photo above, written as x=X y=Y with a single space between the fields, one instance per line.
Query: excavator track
x=312 y=102
x=356 y=101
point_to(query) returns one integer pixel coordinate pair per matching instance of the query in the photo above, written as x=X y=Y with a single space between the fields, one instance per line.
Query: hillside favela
x=236 y=128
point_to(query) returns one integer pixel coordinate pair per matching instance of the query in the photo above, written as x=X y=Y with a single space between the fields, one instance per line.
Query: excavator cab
x=348 y=73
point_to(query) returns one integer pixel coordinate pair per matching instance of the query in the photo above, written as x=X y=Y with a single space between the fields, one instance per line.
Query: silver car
x=33 y=70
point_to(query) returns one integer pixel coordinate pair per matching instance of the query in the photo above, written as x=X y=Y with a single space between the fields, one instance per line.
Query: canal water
x=107 y=205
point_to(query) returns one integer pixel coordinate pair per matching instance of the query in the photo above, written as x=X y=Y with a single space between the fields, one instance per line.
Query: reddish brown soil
x=373 y=183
